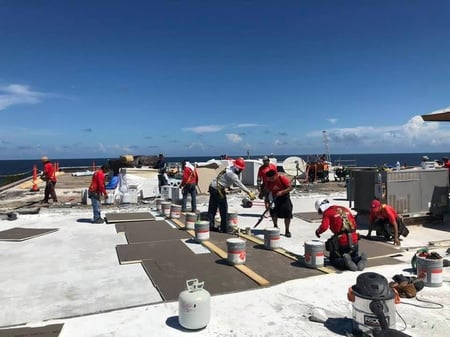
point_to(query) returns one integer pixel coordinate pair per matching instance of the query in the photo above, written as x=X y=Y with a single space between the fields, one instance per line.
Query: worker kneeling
x=343 y=245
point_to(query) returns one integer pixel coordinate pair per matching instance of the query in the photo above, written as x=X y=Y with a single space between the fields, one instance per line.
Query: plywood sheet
x=52 y=330
x=128 y=217
x=170 y=275
x=274 y=267
x=377 y=248
x=309 y=216
x=156 y=250
x=21 y=234
x=148 y=231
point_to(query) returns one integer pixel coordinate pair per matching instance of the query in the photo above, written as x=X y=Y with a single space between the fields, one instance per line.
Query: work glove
x=252 y=195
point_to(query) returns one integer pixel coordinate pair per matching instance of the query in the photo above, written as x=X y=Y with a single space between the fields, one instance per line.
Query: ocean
x=11 y=170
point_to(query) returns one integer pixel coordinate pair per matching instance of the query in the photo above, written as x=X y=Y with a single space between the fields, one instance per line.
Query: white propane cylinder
x=194 y=306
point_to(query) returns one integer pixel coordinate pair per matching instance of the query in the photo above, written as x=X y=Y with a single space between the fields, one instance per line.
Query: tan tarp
x=206 y=174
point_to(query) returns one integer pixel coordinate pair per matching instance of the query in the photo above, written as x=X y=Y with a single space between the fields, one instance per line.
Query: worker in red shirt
x=49 y=176
x=386 y=222
x=343 y=245
x=279 y=186
x=262 y=178
x=96 y=190
x=188 y=185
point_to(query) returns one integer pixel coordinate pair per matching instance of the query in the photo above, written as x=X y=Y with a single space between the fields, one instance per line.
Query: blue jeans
x=96 y=208
x=192 y=190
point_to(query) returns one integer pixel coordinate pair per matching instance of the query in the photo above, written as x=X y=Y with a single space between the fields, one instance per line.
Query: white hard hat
x=321 y=205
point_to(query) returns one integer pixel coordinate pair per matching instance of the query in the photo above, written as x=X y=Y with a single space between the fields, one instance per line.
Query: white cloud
x=414 y=132
x=248 y=125
x=204 y=128
x=280 y=142
x=332 y=120
x=195 y=146
x=14 y=94
x=235 y=138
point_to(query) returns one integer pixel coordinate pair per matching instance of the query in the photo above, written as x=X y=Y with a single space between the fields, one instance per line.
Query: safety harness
x=220 y=189
x=348 y=229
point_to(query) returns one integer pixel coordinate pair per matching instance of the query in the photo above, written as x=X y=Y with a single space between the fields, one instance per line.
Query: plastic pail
x=191 y=219
x=232 y=222
x=158 y=204
x=85 y=198
x=430 y=270
x=201 y=230
x=271 y=237
x=165 y=208
x=175 y=211
x=236 y=251
x=314 y=255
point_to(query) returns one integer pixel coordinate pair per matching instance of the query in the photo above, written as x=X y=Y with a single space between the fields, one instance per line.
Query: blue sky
x=102 y=78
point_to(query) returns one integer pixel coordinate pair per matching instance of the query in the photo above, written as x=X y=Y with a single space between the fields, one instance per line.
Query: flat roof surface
x=73 y=276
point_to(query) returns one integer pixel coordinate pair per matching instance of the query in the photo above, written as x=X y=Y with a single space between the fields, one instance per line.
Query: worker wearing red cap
x=386 y=222
x=217 y=193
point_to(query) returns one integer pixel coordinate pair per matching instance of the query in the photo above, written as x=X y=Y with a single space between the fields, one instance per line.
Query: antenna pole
x=326 y=141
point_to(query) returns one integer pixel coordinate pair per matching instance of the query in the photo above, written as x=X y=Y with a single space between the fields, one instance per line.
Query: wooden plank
x=221 y=253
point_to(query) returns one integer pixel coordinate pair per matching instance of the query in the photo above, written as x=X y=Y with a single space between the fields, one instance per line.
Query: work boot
x=288 y=234
x=362 y=262
x=349 y=262
x=99 y=220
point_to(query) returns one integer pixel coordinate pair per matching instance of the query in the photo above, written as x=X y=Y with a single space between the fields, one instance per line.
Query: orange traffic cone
x=35 y=187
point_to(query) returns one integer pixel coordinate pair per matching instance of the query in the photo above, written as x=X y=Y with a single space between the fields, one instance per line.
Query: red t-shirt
x=333 y=218
x=385 y=212
x=279 y=184
x=190 y=176
x=263 y=170
x=98 y=183
x=49 y=172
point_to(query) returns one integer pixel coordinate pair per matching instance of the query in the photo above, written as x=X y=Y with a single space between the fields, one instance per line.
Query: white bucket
x=271 y=237
x=85 y=198
x=314 y=253
x=430 y=270
x=191 y=219
x=175 y=211
x=232 y=222
x=201 y=230
x=158 y=204
x=165 y=208
x=236 y=253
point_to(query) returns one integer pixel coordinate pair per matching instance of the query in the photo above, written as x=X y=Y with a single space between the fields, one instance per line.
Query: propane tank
x=194 y=306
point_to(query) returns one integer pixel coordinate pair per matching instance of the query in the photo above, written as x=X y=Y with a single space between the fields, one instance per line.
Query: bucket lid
x=372 y=286
x=235 y=240
x=314 y=243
